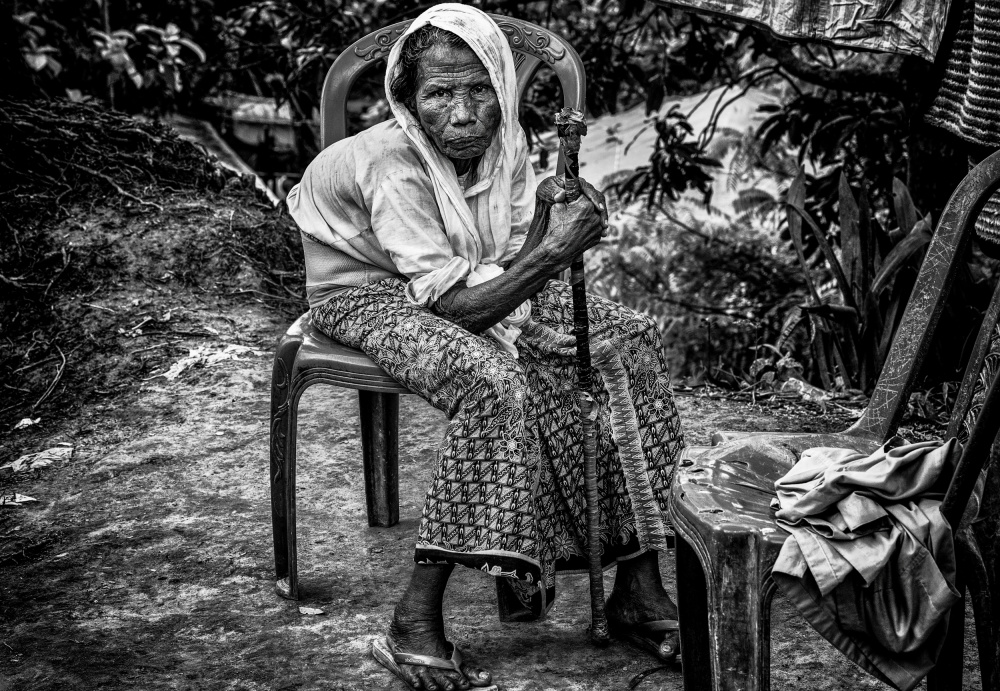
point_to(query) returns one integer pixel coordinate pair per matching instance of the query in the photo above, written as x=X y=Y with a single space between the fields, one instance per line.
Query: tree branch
x=872 y=72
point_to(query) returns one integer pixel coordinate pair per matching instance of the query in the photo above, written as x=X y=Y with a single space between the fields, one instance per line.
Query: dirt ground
x=146 y=560
x=155 y=568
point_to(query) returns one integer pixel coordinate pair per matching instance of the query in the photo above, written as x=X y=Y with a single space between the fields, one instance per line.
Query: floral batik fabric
x=508 y=495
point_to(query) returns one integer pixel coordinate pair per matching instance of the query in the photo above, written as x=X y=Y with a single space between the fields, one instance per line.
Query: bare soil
x=160 y=576
x=146 y=562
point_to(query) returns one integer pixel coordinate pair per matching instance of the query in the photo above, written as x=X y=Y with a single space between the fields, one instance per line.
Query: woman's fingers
x=553 y=191
x=595 y=214
x=577 y=226
x=597 y=199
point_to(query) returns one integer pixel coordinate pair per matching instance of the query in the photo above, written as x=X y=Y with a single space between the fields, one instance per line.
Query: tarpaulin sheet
x=907 y=27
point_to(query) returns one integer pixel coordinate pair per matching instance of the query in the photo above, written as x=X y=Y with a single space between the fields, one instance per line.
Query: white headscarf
x=490 y=195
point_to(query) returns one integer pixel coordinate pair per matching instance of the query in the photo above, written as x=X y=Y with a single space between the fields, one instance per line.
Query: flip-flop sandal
x=385 y=653
x=651 y=637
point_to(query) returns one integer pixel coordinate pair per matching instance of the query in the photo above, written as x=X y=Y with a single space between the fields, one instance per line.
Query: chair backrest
x=976 y=413
x=947 y=252
x=977 y=424
x=532 y=46
x=975 y=417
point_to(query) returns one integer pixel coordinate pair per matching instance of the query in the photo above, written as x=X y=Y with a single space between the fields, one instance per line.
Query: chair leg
x=947 y=673
x=282 y=470
x=737 y=615
x=977 y=577
x=979 y=594
x=379 y=442
x=692 y=609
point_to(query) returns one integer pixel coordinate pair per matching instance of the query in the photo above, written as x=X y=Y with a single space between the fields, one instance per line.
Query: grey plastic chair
x=305 y=356
x=719 y=503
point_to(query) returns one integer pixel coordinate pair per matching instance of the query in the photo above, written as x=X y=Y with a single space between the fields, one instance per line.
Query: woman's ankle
x=419 y=612
x=638 y=594
x=639 y=575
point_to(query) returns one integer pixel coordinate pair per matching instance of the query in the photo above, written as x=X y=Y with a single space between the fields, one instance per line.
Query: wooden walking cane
x=571 y=126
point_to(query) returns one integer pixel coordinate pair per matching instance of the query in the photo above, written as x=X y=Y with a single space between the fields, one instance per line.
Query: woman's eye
x=480 y=89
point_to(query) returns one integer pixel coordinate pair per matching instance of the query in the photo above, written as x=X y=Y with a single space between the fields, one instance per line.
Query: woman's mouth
x=465 y=142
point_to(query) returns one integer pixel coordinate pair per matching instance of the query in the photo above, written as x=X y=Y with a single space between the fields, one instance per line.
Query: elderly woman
x=425 y=248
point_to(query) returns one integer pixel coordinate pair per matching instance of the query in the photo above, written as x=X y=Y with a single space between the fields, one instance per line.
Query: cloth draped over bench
x=870 y=561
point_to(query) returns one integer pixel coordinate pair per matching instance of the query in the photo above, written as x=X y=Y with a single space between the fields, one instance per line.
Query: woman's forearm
x=558 y=233
x=479 y=307
x=534 y=236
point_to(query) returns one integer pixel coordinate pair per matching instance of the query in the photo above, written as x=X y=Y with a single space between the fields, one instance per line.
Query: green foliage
x=852 y=326
x=862 y=136
x=38 y=53
x=284 y=49
x=113 y=49
x=717 y=290
x=166 y=49
x=135 y=58
x=676 y=165
x=840 y=265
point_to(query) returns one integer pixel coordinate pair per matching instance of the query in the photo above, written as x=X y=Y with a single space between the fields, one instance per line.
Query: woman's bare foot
x=638 y=597
x=418 y=628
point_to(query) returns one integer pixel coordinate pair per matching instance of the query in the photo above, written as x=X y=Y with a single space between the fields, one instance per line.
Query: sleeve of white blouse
x=522 y=205
x=408 y=226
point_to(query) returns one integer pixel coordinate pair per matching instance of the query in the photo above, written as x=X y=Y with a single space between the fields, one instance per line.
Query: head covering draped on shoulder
x=490 y=195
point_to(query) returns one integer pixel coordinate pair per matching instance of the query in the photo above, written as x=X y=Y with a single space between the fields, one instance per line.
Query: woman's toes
x=451 y=681
x=426 y=680
x=439 y=680
x=412 y=678
x=477 y=677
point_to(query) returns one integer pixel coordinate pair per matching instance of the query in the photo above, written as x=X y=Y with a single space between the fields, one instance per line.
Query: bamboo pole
x=571 y=126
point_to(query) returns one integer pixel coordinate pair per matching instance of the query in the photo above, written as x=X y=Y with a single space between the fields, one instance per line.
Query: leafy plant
x=113 y=49
x=165 y=46
x=678 y=163
x=93 y=49
x=717 y=289
x=854 y=306
x=160 y=51
x=40 y=56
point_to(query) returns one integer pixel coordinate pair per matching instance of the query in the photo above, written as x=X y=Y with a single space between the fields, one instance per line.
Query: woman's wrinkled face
x=455 y=101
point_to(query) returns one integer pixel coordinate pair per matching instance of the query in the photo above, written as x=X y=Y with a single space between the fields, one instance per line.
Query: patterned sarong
x=508 y=496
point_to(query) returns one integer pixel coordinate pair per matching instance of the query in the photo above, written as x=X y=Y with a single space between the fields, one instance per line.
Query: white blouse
x=367 y=211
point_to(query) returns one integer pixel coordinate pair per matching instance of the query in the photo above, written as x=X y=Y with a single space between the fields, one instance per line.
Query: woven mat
x=967 y=103
x=968 y=99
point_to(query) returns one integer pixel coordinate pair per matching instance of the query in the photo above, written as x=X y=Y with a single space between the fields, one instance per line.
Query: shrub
x=716 y=289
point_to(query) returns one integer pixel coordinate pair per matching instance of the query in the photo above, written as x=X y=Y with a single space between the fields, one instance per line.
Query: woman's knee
x=629 y=325
x=498 y=376
x=642 y=322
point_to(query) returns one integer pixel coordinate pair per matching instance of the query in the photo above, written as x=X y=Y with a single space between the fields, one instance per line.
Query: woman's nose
x=462 y=112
